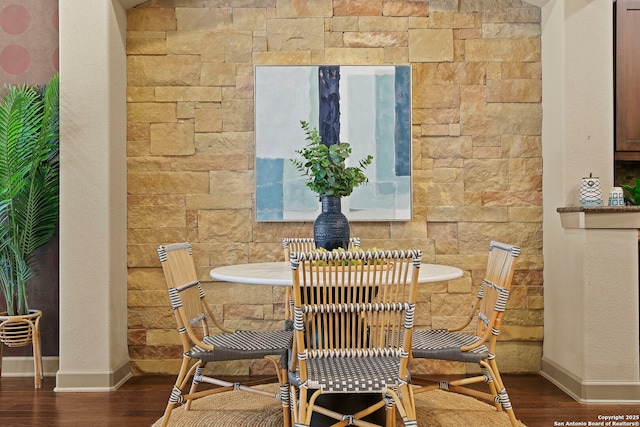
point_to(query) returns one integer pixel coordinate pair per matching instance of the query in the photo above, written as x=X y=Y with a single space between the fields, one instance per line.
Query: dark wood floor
x=141 y=401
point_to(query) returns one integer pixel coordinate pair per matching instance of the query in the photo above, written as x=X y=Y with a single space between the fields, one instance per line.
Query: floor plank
x=141 y=401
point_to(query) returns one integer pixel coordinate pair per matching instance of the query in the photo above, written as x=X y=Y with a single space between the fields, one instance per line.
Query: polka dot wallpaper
x=28 y=41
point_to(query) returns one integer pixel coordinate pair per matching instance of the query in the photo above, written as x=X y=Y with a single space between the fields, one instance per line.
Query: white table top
x=279 y=273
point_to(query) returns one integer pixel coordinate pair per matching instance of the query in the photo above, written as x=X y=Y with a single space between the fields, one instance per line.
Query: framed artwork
x=367 y=106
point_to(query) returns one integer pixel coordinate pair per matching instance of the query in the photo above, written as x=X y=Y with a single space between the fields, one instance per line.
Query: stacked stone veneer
x=477 y=162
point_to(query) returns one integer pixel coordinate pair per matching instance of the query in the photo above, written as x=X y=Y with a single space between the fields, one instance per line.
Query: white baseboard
x=22 y=366
x=91 y=381
x=585 y=391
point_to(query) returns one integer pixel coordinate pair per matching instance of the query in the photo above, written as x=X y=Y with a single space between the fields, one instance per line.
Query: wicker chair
x=195 y=323
x=477 y=346
x=353 y=317
x=301 y=244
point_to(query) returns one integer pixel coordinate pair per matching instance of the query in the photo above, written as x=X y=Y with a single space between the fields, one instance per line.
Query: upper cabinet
x=627 y=83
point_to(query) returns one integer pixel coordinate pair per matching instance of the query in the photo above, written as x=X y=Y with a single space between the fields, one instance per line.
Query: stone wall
x=477 y=161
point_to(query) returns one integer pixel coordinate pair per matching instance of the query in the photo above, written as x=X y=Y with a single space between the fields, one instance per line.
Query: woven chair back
x=307 y=244
x=354 y=302
x=185 y=291
x=301 y=244
x=495 y=288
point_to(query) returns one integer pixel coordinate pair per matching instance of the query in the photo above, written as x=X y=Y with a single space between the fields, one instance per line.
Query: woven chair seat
x=245 y=345
x=351 y=374
x=444 y=345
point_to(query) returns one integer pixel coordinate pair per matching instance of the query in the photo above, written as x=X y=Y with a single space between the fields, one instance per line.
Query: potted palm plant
x=327 y=174
x=29 y=199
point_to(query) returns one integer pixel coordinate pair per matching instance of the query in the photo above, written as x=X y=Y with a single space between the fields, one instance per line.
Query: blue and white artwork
x=367 y=106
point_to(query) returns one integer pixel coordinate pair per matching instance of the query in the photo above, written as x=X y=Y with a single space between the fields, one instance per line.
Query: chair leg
x=174 y=399
x=283 y=379
x=305 y=407
x=286 y=404
x=502 y=397
x=197 y=374
x=390 y=411
x=404 y=403
x=487 y=372
x=293 y=404
x=37 y=357
x=176 y=393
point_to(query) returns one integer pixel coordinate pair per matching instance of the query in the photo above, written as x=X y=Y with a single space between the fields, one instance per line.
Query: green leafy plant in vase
x=632 y=196
x=325 y=168
x=327 y=174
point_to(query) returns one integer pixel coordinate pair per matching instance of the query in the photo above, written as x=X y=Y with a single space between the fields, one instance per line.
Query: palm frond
x=29 y=183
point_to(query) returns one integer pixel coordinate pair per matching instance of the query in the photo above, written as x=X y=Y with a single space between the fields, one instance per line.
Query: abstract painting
x=367 y=106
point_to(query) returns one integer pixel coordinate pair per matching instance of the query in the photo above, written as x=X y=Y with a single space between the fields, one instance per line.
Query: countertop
x=611 y=217
x=599 y=209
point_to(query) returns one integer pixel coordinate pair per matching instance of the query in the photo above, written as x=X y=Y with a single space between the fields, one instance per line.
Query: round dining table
x=279 y=273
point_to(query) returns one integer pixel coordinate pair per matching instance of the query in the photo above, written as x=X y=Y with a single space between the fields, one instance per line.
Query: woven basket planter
x=22 y=330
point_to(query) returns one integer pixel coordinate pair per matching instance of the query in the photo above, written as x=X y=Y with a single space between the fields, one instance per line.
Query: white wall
x=93 y=211
x=590 y=276
x=577 y=140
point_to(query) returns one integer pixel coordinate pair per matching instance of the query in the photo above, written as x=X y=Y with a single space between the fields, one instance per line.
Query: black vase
x=331 y=229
